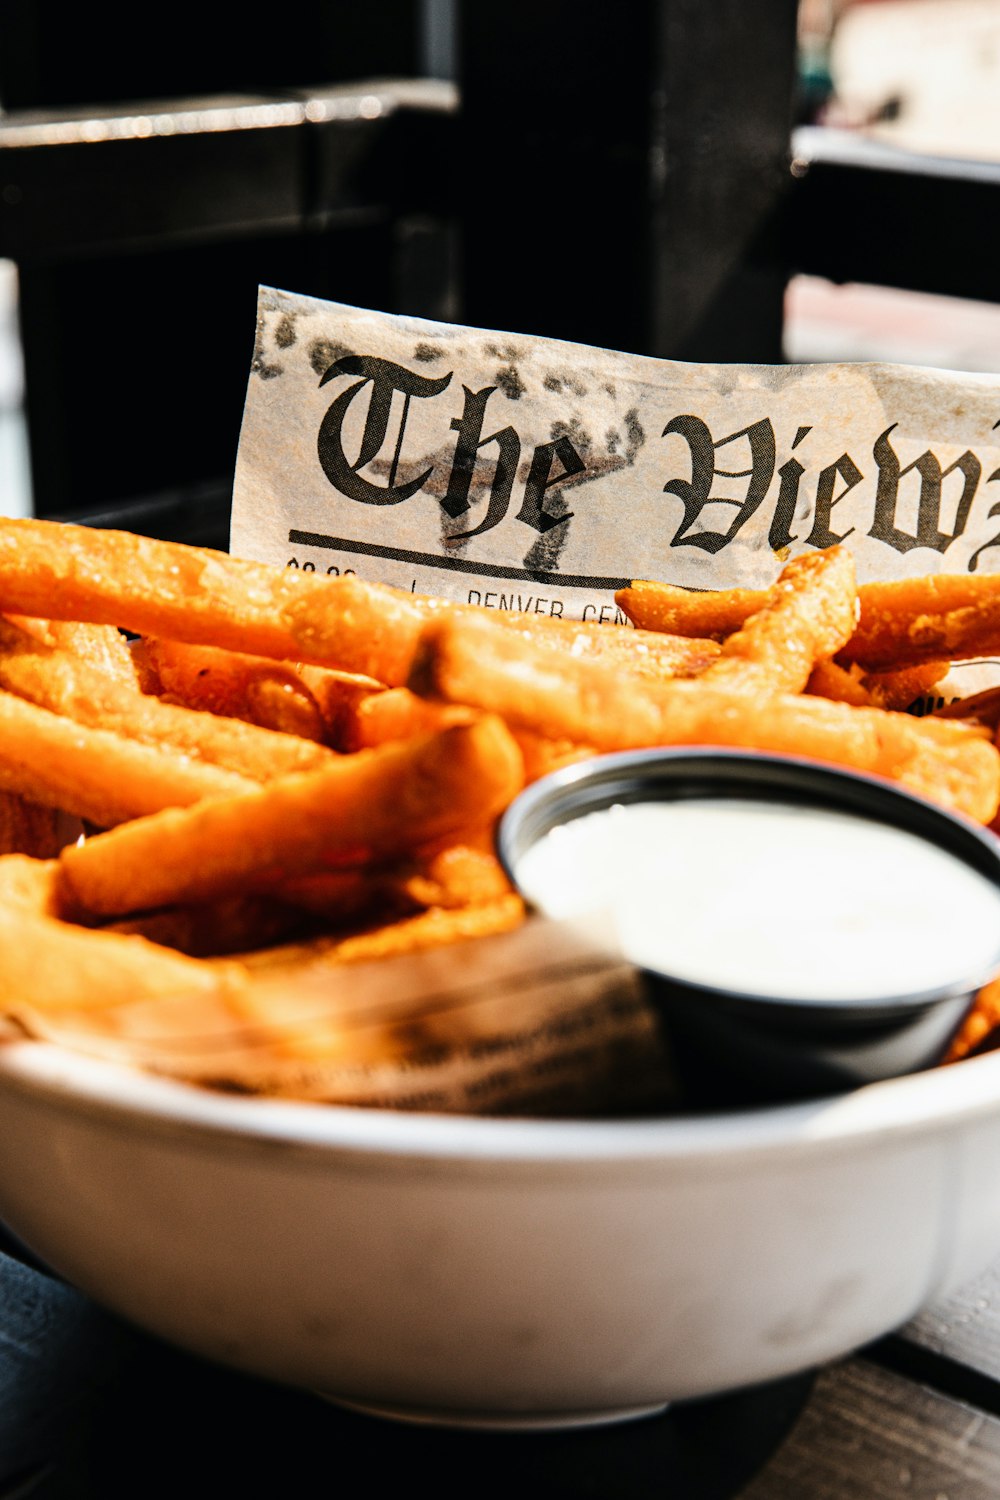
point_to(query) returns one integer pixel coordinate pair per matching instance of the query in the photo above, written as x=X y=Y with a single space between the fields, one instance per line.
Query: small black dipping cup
x=734 y=1049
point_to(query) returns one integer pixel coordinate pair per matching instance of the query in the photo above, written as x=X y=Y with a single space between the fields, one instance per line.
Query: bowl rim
x=122 y=1096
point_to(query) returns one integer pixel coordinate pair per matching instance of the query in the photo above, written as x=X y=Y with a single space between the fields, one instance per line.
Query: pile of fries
x=215 y=774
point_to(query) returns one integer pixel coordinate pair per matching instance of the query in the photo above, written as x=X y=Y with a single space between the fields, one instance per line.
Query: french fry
x=900 y=688
x=48 y=963
x=171 y=590
x=839 y=684
x=95 y=773
x=58 y=680
x=362 y=808
x=808 y=615
x=544 y=754
x=273 y=695
x=467 y=661
x=892 y=690
x=901 y=623
x=434 y=928
x=911 y=620
x=103 y=646
x=980 y=1030
x=376 y=718
x=709 y=613
x=644 y=653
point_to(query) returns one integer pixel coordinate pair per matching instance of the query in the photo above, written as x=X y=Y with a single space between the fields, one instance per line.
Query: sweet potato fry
x=902 y=622
x=103 y=646
x=376 y=718
x=467 y=661
x=47 y=963
x=892 y=690
x=712 y=614
x=95 y=773
x=980 y=1031
x=838 y=684
x=362 y=808
x=273 y=695
x=174 y=591
x=66 y=684
x=808 y=615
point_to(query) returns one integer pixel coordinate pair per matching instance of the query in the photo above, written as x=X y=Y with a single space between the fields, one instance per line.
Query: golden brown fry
x=645 y=653
x=710 y=613
x=376 y=718
x=178 y=592
x=808 y=615
x=459 y=875
x=980 y=1031
x=465 y=874
x=892 y=690
x=543 y=754
x=901 y=688
x=191 y=594
x=466 y=661
x=103 y=646
x=434 y=928
x=902 y=622
x=96 y=774
x=48 y=963
x=252 y=1029
x=839 y=684
x=273 y=695
x=350 y=898
x=65 y=684
x=365 y=807
x=910 y=620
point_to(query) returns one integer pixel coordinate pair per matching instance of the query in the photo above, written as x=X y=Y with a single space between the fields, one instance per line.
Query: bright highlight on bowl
x=770 y=896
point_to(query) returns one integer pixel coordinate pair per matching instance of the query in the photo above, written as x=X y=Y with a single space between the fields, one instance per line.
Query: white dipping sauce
x=771 y=898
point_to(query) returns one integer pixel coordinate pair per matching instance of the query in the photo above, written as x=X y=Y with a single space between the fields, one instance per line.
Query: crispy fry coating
x=710 y=613
x=71 y=686
x=892 y=690
x=273 y=695
x=95 y=773
x=48 y=963
x=171 y=590
x=360 y=809
x=467 y=661
x=902 y=622
x=806 y=617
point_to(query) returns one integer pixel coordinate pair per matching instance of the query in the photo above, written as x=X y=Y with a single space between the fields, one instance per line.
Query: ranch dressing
x=770 y=898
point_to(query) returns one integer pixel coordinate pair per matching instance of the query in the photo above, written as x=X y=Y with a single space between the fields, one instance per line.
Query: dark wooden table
x=93 y=1410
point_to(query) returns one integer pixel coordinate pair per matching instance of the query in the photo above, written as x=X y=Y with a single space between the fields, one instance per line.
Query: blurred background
x=717 y=180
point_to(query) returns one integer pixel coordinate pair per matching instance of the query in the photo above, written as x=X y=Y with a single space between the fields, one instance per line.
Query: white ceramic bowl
x=487 y=1270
